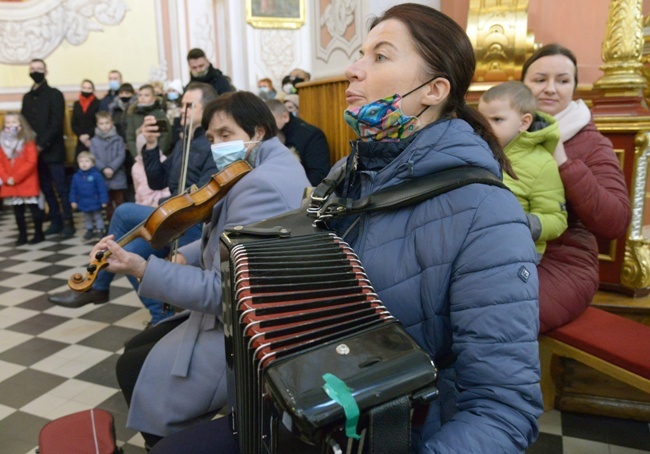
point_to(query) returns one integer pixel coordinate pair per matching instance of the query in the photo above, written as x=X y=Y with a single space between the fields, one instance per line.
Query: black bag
x=85 y=432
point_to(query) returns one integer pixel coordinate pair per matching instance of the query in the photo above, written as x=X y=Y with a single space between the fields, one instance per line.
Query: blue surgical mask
x=225 y=153
x=172 y=95
x=113 y=84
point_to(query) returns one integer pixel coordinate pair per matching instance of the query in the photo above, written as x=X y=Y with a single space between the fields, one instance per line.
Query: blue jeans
x=127 y=217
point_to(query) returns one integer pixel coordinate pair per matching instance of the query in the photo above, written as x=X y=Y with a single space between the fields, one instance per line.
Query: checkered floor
x=56 y=361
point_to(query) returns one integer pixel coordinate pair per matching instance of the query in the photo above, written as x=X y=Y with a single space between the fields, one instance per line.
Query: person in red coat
x=598 y=203
x=19 y=174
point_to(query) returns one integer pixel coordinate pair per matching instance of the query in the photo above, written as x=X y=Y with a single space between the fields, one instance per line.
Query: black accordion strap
x=390 y=427
x=409 y=192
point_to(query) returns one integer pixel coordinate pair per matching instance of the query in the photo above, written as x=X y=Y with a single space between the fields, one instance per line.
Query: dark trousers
x=55 y=188
x=116 y=197
x=37 y=215
x=130 y=364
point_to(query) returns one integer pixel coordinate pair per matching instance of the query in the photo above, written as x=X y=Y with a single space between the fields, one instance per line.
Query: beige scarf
x=572 y=119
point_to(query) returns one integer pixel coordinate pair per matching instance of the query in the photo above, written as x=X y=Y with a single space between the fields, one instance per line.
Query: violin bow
x=188 y=132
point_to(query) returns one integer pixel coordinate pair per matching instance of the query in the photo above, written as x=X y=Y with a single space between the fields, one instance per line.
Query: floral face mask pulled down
x=383 y=120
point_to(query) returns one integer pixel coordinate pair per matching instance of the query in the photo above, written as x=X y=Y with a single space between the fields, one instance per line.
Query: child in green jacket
x=529 y=139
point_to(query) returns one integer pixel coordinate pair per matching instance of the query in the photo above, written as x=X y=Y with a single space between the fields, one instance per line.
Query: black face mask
x=86 y=94
x=125 y=99
x=37 y=77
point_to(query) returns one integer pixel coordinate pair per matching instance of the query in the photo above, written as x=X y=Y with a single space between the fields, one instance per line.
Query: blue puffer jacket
x=459 y=272
x=88 y=190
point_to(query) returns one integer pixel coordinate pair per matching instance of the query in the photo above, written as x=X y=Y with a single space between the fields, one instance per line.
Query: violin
x=170 y=219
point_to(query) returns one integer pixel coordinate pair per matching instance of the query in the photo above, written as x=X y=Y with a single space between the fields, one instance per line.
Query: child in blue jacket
x=88 y=194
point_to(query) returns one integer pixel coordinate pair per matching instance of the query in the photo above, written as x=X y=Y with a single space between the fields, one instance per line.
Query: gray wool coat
x=183 y=380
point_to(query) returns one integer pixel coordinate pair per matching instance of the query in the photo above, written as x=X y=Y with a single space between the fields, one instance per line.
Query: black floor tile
x=6 y=274
x=5 y=290
x=38 y=324
x=621 y=432
x=11 y=445
x=102 y=373
x=109 y=313
x=546 y=444
x=58 y=247
x=111 y=338
x=51 y=270
x=47 y=284
x=32 y=351
x=9 y=263
x=25 y=386
x=21 y=426
x=39 y=303
x=56 y=257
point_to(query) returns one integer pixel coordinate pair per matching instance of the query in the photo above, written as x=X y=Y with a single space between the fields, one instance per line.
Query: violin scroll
x=80 y=283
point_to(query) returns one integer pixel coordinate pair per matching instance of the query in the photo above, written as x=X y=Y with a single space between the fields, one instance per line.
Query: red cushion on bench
x=615 y=339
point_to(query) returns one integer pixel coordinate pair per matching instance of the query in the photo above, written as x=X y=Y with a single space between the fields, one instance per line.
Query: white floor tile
x=9 y=339
x=136 y=320
x=73 y=330
x=551 y=422
x=27 y=267
x=31 y=255
x=22 y=280
x=6 y=411
x=43 y=405
x=74 y=260
x=19 y=296
x=61 y=364
x=13 y=315
x=9 y=370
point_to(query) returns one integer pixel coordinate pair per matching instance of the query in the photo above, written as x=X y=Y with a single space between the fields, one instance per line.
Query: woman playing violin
x=173 y=374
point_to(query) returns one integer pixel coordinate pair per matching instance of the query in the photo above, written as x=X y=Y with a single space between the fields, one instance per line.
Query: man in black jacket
x=127 y=216
x=201 y=70
x=306 y=140
x=44 y=109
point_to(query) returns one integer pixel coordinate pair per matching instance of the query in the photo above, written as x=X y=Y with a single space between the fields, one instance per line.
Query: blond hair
x=26 y=132
x=516 y=93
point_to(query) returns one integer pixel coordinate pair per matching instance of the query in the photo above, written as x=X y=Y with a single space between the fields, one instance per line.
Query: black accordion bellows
x=297 y=310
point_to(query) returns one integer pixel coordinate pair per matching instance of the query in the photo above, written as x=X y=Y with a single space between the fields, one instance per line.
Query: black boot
x=19 y=213
x=54 y=228
x=70 y=298
x=68 y=230
x=37 y=215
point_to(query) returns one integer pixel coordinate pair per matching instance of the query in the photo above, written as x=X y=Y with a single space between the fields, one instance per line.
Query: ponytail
x=482 y=128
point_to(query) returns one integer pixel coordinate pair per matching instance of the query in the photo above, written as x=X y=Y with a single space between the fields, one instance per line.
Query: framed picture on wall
x=288 y=14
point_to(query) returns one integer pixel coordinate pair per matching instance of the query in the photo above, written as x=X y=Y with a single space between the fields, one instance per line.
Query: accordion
x=316 y=363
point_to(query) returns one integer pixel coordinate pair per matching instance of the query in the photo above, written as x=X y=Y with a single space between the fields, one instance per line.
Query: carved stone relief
x=338 y=28
x=36 y=28
x=277 y=52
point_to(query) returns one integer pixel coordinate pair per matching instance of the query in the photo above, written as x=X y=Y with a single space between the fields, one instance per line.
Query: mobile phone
x=163 y=126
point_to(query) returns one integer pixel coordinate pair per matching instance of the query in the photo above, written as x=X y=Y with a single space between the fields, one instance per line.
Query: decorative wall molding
x=36 y=28
x=338 y=28
x=277 y=52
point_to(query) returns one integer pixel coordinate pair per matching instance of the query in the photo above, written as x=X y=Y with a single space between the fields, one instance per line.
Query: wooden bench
x=610 y=344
